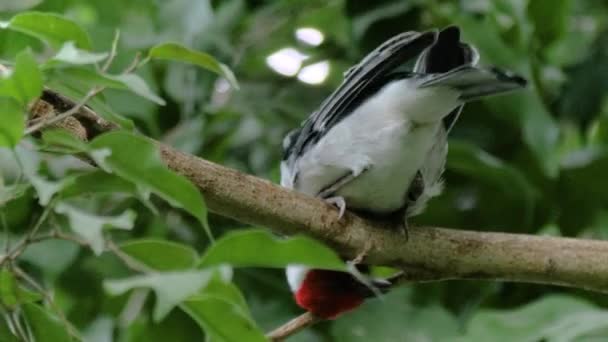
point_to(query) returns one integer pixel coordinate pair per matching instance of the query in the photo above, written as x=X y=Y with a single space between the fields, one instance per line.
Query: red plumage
x=327 y=294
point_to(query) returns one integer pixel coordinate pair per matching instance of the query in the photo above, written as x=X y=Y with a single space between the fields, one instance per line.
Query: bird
x=378 y=144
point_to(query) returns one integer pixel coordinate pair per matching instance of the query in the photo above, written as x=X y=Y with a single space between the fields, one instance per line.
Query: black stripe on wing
x=361 y=82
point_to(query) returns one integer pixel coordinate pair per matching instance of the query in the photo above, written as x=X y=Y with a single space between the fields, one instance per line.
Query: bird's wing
x=361 y=81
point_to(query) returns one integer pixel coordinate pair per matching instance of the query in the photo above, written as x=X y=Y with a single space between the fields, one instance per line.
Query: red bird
x=327 y=294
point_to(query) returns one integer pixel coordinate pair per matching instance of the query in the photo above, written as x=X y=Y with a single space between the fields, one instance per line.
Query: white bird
x=382 y=128
x=378 y=144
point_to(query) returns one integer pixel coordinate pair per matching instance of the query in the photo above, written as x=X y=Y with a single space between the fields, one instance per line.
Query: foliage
x=125 y=252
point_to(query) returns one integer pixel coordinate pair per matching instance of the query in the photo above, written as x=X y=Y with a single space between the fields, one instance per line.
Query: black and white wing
x=361 y=81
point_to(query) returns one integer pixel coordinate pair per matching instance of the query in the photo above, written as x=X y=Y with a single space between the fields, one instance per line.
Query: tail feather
x=447 y=53
x=475 y=82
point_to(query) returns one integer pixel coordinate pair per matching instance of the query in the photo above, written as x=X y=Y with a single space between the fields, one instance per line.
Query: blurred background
x=534 y=162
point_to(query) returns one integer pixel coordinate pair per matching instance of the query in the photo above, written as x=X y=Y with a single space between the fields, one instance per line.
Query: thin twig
x=133 y=307
x=129 y=261
x=22 y=332
x=7 y=245
x=49 y=121
x=295 y=325
x=134 y=64
x=19 y=164
x=14 y=325
x=56 y=234
x=22 y=245
x=113 y=50
x=47 y=296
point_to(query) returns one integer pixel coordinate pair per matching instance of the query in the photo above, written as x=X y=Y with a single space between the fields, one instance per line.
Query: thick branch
x=430 y=254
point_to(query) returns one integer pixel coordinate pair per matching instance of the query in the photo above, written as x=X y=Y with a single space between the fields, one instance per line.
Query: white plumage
x=378 y=144
x=386 y=140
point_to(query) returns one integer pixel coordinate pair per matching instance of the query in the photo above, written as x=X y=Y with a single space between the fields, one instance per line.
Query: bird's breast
x=396 y=154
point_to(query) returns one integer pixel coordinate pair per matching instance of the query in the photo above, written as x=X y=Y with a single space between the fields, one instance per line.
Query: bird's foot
x=339 y=202
x=404 y=229
x=359 y=258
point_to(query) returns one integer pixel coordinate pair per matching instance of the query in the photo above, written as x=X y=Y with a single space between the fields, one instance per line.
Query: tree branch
x=295 y=325
x=430 y=254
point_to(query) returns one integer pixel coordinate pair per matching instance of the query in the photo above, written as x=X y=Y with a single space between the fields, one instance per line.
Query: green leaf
x=582 y=179
x=70 y=54
x=363 y=22
x=526 y=108
x=540 y=130
x=25 y=82
x=382 y=319
x=8 y=289
x=161 y=255
x=550 y=18
x=5 y=332
x=552 y=318
x=45 y=325
x=472 y=161
x=97 y=181
x=22 y=85
x=86 y=78
x=219 y=287
x=99 y=106
x=100 y=330
x=177 y=52
x=51 y=28
x=90 y=227
x=12 y=122
x=45 y=189
x=64 y=139
x=137 y=85
x=11 y=192
x=171 y=288
x=13 y=6
x=221 y=319
x=137 y=159
x=584 y=171
x=100 y=182
x=597 y=132
x=232 y=308
x=12 y=294
x=51 y=256
x=259 y=248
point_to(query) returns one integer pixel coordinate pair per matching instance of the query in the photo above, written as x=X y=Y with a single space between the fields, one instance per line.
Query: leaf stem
x=113 y=50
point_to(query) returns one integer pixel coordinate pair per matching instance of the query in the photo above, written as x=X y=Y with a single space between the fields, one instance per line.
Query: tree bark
x=429 y=254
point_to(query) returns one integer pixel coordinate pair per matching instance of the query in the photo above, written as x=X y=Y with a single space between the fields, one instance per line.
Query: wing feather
x=356 y=86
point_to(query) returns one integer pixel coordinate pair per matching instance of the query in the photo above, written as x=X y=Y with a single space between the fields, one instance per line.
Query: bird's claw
x=339 y=202
x=359 y=258
x=404 y=229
